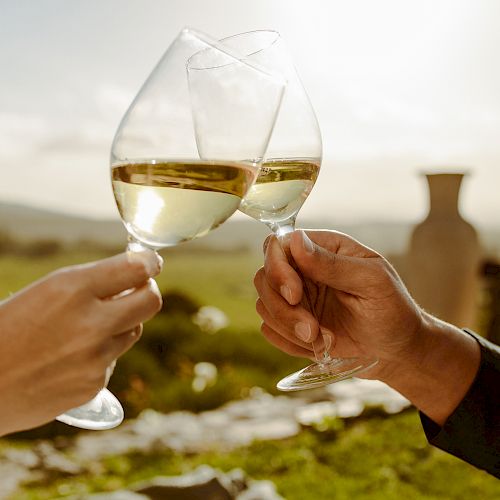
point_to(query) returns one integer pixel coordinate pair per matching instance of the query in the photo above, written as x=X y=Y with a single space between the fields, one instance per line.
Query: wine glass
x=286 y=178
x=164 y=192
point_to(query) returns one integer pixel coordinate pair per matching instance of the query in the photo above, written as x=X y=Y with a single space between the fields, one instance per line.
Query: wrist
x=439 y=371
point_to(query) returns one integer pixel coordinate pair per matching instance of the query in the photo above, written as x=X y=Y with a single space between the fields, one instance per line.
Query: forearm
x=440 y=373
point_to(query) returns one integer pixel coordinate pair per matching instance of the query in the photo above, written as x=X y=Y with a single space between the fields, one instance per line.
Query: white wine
x=163 y=202
x=280 y=189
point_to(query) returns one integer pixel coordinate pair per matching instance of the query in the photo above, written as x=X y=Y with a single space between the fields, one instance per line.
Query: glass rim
x=276 y=34
x=232 y=53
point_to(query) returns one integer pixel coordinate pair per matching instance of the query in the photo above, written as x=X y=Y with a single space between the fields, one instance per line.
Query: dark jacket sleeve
x=472 y=431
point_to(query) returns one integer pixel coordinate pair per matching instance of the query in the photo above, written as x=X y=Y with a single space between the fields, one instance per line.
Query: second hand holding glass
x=287 y=176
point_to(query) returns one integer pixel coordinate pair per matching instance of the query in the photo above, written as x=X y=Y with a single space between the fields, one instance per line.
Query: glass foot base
x=320 y=374
x=101 y=413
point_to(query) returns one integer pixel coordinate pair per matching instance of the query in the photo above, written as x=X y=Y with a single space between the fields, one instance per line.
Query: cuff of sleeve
x=433 y=430
x=468 y=433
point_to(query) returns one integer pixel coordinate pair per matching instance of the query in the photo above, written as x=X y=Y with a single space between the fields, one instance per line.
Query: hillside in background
x=27 y=223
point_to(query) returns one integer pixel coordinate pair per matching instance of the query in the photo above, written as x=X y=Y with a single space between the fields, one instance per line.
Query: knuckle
x=285 y=317
x=283 y=320
x=259 y=307
x=274 y=275
x=264 y=328
x=137 y=270
x=154 y=297
x=63 y=281
x=266 y=243
x=258 y=277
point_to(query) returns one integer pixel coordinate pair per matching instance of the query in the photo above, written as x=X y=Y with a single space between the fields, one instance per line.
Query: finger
x=318 y=345
x=119 y=344
x=266 y=242
x=285 y=345
x=109 y=371
x=337 y=242
x=329 y=340
x=113 y=275
x=287 y=333
x=341 y=272
x=292 y=320
x=126 y=311
x=280 y=274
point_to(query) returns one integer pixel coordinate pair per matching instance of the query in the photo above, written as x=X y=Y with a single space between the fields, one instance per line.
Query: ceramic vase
x=444 y=255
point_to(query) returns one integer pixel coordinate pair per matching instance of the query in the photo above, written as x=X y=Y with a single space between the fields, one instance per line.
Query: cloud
x=112 y=100
x=21 y=133
x=87 y=124
x=360 y=122
x=60 y=160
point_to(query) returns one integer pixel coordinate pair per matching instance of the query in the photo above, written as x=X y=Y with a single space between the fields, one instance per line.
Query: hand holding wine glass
x=287 y=176
x=365 y=301
x=59 y=335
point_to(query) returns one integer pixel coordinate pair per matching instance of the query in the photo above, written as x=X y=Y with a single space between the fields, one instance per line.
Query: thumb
x=340 y=272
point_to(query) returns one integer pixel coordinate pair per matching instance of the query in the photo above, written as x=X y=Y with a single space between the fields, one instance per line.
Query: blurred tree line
x=47 y=247
x=38 y=248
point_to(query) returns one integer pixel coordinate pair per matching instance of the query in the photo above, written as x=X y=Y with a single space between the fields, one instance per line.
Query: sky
x=400 y=88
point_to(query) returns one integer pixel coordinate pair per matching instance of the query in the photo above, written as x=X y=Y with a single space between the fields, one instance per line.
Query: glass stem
x=134 y=245
x=280 y=230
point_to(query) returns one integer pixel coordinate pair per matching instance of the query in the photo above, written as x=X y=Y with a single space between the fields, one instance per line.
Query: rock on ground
x=204 y=483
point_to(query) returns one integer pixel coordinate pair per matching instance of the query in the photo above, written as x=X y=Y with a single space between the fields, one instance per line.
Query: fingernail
x=266 y=244
x=328 y=337
x=307 y=243
x=286 y=293
x=303 y=331
x=151 y=260
x=285 y=240
x=154 y=286
x=136 y=332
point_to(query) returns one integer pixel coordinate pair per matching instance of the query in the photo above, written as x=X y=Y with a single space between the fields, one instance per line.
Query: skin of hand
x=59 y=335
x=363 y=309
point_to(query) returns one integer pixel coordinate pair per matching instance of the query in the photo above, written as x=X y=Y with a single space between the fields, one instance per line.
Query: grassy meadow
x=370 y=457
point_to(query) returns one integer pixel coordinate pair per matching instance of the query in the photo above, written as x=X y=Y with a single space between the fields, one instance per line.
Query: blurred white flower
x=314 y=413
x=210 y=319
x=205 y=375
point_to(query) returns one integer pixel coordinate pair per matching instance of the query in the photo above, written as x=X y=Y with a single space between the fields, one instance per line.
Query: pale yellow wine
x=280 y=189
x=165 y=202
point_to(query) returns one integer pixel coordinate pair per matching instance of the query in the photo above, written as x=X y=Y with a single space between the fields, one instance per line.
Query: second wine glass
x=286 y=178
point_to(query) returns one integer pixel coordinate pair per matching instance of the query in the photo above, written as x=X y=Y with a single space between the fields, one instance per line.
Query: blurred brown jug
x=444 y=255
